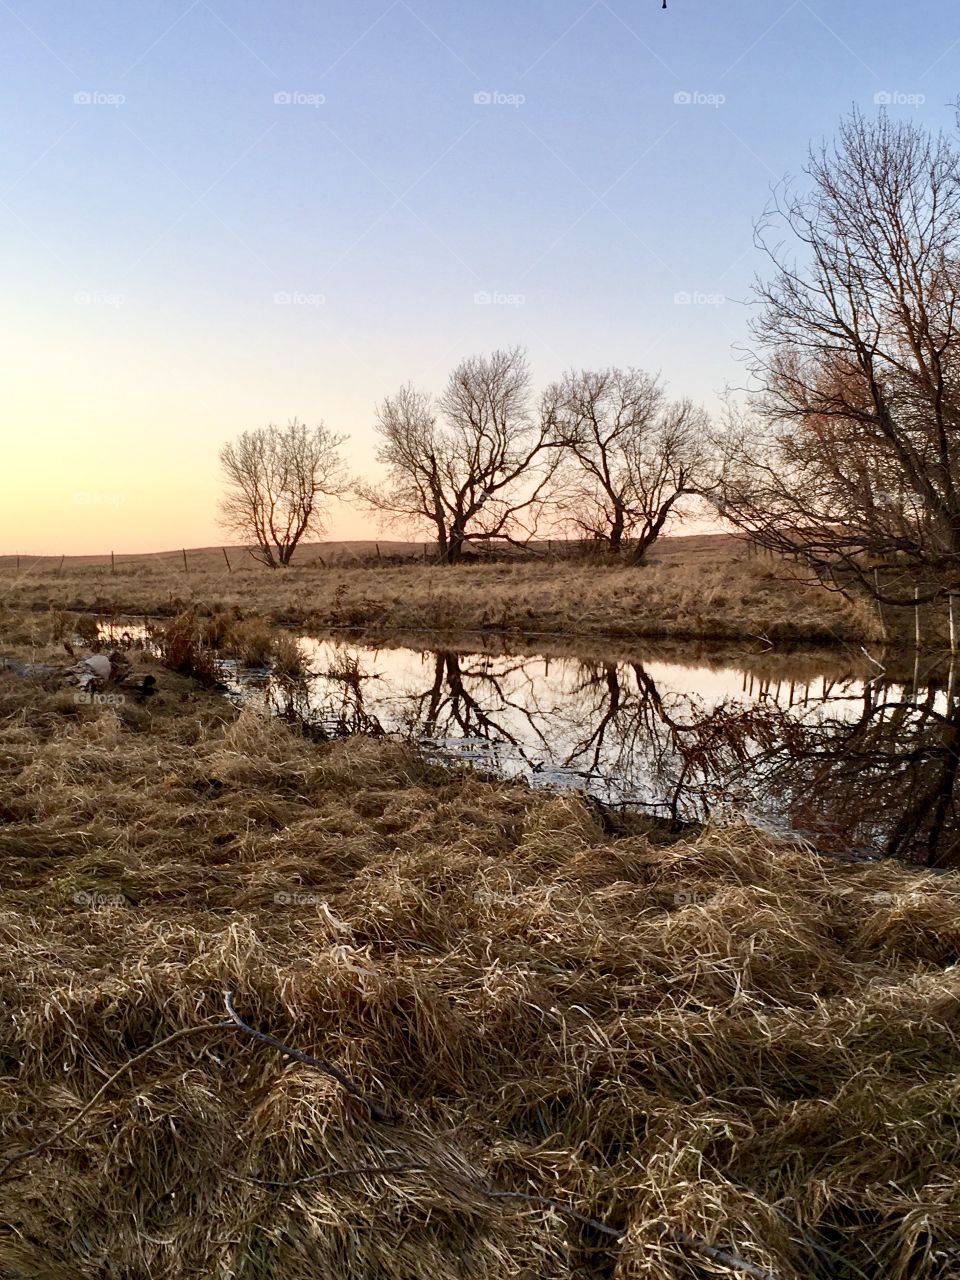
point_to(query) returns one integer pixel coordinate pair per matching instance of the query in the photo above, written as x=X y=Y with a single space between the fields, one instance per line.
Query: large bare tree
x=279 y=480
x=630 y=455
x=473 y=466
x=851 y=458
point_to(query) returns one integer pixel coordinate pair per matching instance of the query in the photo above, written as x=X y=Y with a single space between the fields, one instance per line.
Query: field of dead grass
x=695 y=588
x=720 y=1043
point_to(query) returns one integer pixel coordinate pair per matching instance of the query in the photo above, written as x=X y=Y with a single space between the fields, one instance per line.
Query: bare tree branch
x=474 y=466
x=851 y=461
x=629 y=456
x=377 y=1113
x=277 y=481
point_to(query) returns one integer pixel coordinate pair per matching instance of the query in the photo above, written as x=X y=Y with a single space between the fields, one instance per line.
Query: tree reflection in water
x=855 y=765
x=885 y=781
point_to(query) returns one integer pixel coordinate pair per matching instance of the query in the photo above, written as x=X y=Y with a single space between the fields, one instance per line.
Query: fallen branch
x=616 y=1232
x=376 y=1113
x=825 y=1256
x=715 y=1254
x=41 y=1146
x=363 y=1170
x=372 y=1169
x=682 y=1238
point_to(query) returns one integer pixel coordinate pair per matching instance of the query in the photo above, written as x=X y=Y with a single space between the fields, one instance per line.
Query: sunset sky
x=216 y=215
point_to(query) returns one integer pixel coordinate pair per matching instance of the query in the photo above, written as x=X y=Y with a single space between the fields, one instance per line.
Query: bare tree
x=474 y=466
x=278 y=479
x=631 y=455
x=851 y=461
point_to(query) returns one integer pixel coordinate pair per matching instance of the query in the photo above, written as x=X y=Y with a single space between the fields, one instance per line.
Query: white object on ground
x=95 y=670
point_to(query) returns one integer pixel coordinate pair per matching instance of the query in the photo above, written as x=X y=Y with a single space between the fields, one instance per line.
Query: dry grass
x=695 y=588
x=725 y=1034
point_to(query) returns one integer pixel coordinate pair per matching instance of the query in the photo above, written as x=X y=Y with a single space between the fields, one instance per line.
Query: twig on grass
x=617 y=1233
x=358 y=1171
x=376 y=1113
x=682 y=1238
x=41 y=1146
x=715 y=1254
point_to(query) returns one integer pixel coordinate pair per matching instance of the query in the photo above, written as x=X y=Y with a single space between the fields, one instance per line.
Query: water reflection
x=885 y=780
x=852 y=762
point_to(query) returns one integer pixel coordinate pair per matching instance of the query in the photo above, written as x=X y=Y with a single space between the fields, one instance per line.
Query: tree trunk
x=652 y=532
x=442 y=539
x=616 y=531
x=455 y=544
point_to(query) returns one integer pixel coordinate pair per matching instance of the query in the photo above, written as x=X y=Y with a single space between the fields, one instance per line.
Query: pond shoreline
x=694 y=590
x=897 y=661
x=679 y=735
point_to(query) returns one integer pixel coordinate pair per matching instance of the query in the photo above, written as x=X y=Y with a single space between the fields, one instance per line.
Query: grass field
x=703 y=587
x=720 y=1042
x=537 y=1039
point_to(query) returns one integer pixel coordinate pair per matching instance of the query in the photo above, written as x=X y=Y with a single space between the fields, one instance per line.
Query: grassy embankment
x=700 y=588
x=724 y=1035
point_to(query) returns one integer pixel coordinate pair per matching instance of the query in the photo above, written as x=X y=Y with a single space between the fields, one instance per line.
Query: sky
x=215 y=216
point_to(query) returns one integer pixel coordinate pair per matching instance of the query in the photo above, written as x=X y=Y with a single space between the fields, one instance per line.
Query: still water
x=848 y=760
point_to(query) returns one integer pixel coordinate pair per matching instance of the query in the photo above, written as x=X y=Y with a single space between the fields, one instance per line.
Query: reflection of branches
x=886 y=779
x=847 y=764
x=338 y=711
x=850 y=764
x=592 y=746
x=472 y=701
x=671 y=749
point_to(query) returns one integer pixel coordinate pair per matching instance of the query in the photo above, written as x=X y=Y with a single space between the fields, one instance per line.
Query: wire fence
x=325 y=555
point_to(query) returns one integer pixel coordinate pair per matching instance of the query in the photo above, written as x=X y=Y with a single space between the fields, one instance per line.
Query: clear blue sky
x=146 y=234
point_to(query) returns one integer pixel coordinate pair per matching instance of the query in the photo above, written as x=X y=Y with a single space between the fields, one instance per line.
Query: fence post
x=185 y=568
x=113 y=564
x=227 y=558
x=63 y=557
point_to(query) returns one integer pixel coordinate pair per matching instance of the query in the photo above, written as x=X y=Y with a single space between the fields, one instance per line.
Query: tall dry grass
x=697 y=588
x=726 y=1035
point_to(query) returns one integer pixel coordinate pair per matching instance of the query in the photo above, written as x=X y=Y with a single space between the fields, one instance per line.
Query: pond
x=849 y=760
x=828 y=748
